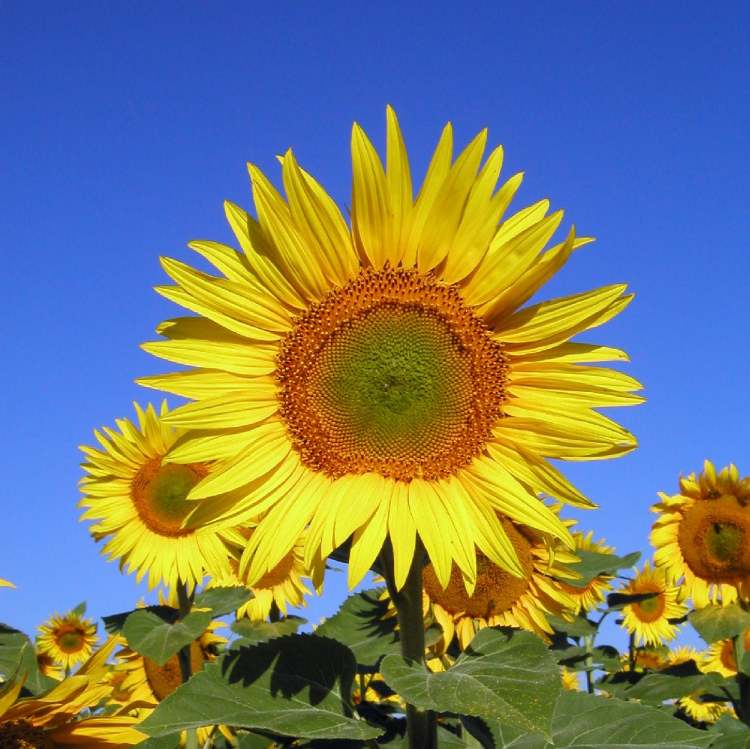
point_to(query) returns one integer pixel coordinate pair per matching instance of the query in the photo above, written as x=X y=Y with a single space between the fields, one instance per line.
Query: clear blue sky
x=125 y=125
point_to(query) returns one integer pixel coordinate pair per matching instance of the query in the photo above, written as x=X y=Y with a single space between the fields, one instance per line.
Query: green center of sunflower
x=71 y=641
x=20 y=734
x=724 y=540
x=160 y=491
x=391 y=373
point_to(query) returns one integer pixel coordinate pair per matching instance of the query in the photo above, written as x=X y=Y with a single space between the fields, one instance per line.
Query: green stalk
x=185 y=602
x=421 y=726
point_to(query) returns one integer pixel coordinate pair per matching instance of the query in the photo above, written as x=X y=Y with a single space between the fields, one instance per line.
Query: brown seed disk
x=354 y=391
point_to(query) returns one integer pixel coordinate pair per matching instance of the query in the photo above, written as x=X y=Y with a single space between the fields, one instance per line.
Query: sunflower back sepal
x=720 y=622
x=593 y=563
x=297 y=685
x=18 y=661
x=605 y=722
x=158 y=635
x=504 y=675
x=251 y=633
x=222 y=600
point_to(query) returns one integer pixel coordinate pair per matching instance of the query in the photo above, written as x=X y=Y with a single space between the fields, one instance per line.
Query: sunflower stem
x=185 y=603
x=421 y=725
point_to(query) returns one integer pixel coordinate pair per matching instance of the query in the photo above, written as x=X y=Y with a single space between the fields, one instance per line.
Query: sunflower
x=140 y=681
x=594 y=592
x=68 y=639
x=500 y=598
x=139 y=501
x=720 y=657
x=52 y=719
x=283 y=586
x=649 y=619
x=648 y=658
x=694 y=704
x=702 y=535
x=380 y=381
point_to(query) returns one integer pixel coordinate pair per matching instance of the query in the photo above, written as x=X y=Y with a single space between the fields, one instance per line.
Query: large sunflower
x=499 y=598
x=138 y=501
x=702 y=535
x=53 y=719
x=649 y=619
x=380 y=381
x=68 y=639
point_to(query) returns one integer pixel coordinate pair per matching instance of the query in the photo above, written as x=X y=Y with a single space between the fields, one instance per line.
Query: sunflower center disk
x=650 y=609
x=20 y=734
x=713 y=538
x=496 y=589
x=159 y=493
x=164 y=679
x=70 y=641
x=391 y=373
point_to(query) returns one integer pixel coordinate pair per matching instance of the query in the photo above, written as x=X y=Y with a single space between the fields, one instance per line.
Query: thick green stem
x=185 y=602
x=421 y=725
x=588 y=661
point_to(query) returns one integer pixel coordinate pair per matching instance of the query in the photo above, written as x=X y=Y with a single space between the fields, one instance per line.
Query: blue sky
x=126 y=125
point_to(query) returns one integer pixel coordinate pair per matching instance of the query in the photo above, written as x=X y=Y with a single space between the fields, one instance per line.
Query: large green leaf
x=159 y=639
x=586 y=721
x=731 y=733
x=18 y=658
x=163 y=742
x=361 y=626
x=578 y=627
x=503 y=674
x=593 y=564
x=115 y=622
x=298 y=685
x=668 y=684
x=253 y=632
x=221 y=601
x=720 y=622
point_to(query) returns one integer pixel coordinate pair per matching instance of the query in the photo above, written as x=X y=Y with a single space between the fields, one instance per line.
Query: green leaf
x=163 y=742
x=719 y=622
x=222 y=601
x=18 y=657
x=586 y=721
x=159 y=639
x=252 y=741
x=253 y=632
x=668 y=684
x=732 y=734
x=298 y=685
x=115 y=622
x=504 y=675
x=359 y=624
x=579 y=627
x=593 y=564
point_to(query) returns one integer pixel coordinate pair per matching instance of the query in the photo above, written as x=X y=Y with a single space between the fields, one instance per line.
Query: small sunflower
x=68 y=639
x=647 y=658
x=702 y=535
x=649 y=619
x=282 y=586
x=720 y=657
x=53 y=719
x=140 y=681
x=500 y=598
x=595 y=591
x=384 y=379
x=139 y=503
x=702 y=709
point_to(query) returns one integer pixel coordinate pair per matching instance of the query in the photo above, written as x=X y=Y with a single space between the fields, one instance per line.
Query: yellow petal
x=224 y=412
x=402 y=531
x=367 y=542
x=371 y=221
x=398 y=182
